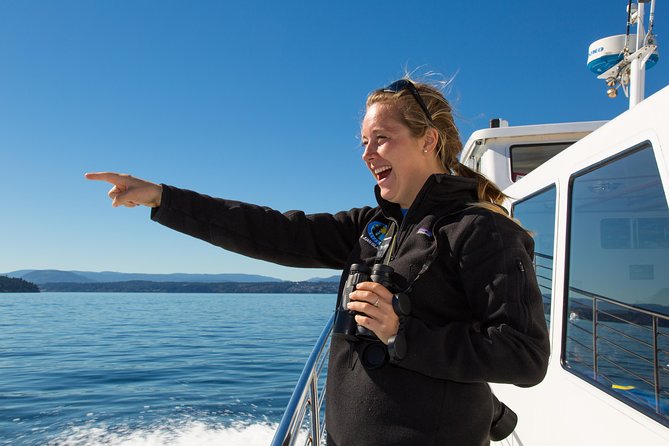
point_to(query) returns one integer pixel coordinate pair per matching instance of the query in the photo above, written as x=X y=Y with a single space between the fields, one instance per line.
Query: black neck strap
x=385 y=251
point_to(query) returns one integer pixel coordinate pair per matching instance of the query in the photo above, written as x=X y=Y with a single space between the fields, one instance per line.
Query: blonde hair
x=448 y=145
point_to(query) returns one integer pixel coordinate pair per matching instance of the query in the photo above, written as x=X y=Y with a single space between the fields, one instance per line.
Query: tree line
x=14 y=285
x=144 y=286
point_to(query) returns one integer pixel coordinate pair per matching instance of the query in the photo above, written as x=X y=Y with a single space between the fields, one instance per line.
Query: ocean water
x=151 y=369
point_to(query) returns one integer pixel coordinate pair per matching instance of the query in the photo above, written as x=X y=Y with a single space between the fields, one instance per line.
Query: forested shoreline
x=13 y=285
x=143 y=286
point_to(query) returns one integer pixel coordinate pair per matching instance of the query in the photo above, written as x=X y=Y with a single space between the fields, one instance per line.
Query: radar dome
x=605 y=53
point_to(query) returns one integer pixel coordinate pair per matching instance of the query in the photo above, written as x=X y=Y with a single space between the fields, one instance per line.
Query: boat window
x=537 y=215
x=617 y=313
x=527 y=157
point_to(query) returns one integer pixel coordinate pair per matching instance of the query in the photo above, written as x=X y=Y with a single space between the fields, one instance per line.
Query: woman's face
x=398 y=161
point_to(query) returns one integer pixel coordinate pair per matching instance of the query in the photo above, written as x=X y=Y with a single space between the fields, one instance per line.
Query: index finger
x=110 y=177
x=374 y=287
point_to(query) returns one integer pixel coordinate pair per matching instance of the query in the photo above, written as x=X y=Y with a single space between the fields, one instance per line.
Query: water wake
x=190 y=433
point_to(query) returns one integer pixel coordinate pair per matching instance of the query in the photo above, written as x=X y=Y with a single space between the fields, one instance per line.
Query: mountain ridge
x=139 y=286
x=73 y=276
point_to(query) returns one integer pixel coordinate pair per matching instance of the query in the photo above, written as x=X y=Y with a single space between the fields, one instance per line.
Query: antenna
x=622 y=60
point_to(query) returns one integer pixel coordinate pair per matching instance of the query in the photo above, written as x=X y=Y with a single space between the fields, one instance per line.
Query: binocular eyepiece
x=345 y=318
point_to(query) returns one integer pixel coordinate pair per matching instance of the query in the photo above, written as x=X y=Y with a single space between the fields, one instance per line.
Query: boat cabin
x=598 y=212
x=505 y=154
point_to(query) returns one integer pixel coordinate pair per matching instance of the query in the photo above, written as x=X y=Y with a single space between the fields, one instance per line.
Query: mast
x=637 y=66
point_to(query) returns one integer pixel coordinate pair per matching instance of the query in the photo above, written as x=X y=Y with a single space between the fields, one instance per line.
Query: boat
x=594 y=195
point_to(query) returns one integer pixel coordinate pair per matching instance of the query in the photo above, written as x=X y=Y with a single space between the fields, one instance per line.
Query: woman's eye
x=378 y=140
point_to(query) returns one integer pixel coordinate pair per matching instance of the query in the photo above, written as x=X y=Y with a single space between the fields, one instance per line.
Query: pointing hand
x=129 y=191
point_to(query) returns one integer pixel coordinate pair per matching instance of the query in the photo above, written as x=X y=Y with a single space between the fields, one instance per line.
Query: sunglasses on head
x=405 y=84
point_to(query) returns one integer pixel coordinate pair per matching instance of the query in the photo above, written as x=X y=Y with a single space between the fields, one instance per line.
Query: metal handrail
x=305 y=397
x=655 y=332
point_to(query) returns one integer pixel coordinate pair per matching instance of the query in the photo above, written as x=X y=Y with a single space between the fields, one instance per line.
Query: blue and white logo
x=376 y=232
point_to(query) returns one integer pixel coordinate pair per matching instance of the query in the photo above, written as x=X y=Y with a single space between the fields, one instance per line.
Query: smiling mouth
x=382 y=172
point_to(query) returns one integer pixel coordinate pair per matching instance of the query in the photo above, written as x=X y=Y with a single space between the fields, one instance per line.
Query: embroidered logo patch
x=376 y=232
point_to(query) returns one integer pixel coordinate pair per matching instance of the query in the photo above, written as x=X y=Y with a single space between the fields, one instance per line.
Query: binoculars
x=373 y=352
x=345 y=319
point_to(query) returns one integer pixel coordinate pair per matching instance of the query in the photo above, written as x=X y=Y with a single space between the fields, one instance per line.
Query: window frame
x=548 y=187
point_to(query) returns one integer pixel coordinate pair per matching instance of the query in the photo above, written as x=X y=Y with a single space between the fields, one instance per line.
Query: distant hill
x=14 y=285
x=325 y=279
x=56 y=276
x=660 y=298
x=142 y=286
x=49 y=275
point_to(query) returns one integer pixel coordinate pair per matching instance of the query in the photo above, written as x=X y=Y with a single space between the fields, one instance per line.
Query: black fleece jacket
x=477 y=312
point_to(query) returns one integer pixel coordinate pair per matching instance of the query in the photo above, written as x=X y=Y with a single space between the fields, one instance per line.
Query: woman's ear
x=430 y=140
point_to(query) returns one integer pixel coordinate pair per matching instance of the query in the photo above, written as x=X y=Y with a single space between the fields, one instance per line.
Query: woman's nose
x=370 y=150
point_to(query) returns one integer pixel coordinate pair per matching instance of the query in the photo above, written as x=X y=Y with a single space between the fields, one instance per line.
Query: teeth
x=378 y=170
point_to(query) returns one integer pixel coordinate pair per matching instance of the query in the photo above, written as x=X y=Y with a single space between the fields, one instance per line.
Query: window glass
x=526 y=158
x=635 y=233
x=537 y=215
x=617 y=327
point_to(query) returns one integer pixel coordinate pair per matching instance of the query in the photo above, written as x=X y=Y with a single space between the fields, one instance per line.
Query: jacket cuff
x=164 y=202
x=397 y=347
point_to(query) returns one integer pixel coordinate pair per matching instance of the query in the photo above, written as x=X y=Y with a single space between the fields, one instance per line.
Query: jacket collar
x=447 y=192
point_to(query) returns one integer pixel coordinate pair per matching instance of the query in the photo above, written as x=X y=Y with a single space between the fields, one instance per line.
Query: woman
x=460 y=308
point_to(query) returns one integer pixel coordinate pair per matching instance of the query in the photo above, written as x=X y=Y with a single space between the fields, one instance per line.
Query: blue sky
x=257 y=101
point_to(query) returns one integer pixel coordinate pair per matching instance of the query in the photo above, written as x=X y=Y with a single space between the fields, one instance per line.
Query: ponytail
x=489 y=195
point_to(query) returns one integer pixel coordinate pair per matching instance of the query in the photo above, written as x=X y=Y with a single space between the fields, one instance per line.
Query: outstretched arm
x=129 y=191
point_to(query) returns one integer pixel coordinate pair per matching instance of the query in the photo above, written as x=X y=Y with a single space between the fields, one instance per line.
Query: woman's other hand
x=376 y=302
x=129 y=191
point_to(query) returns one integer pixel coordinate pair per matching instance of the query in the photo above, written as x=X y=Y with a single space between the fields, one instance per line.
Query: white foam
x=191 y=433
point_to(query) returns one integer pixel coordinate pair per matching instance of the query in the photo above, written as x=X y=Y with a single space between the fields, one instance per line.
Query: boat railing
x=308 y=399
x=543 y=269
x=627 y=346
